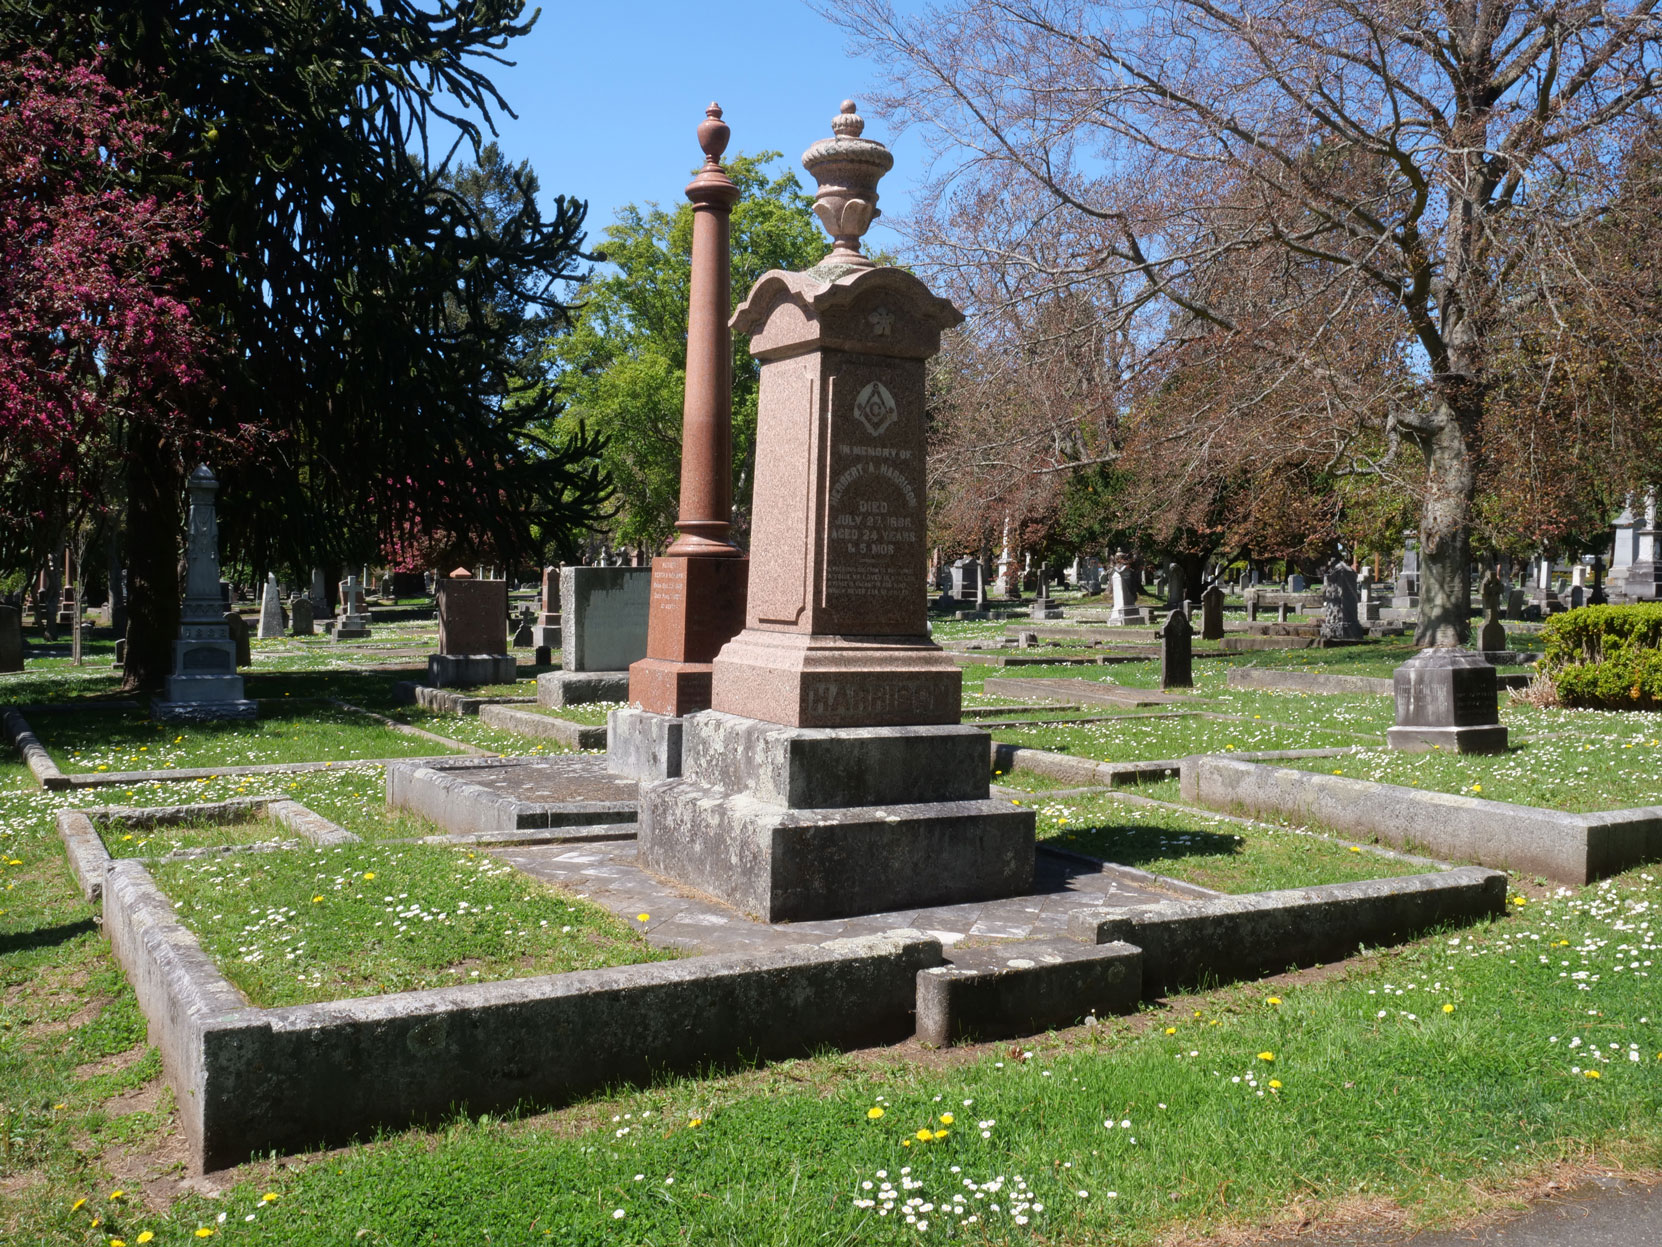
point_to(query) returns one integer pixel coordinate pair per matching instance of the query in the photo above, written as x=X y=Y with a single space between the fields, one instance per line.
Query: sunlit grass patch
x=326 y=924
x=1217 y=853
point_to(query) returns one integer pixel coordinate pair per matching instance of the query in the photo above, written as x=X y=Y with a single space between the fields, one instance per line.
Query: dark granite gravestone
x=11 y=639
x=1211 y=613
x=239 y=633
x=522 y=634
x=473 y=634
x=1448 y=699
x=1492 y=638
x=301 y=620
x=1339 y=606
x=1177 y=652
x=1598 y=597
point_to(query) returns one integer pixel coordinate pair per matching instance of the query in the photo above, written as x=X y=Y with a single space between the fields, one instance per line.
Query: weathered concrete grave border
x=249 y=1080
x=1570 y=848
x=442 y=791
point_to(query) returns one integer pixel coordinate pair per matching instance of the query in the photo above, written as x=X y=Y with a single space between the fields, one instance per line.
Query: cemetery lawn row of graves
x=1393 y=1086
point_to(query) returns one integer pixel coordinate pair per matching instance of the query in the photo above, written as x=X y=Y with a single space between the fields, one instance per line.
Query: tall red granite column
x=698 y=584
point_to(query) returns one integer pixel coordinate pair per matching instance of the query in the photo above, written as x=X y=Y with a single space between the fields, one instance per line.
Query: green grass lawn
x=359 y=920
x=588 y=714
x=1579 y=771
x=107 y=740
x=1213 y=852
x=128 y=841
x=1131 y=739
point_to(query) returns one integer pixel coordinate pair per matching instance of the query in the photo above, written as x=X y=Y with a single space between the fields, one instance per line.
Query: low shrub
x=1606 y=657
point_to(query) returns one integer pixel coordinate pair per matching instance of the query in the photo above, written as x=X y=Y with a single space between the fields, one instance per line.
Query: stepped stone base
x=469 y=670
x=797 y=824
x=576 y=688
x=643 y=746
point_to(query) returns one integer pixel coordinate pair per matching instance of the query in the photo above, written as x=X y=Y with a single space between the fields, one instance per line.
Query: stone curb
x=88 y=857
x=35 y=757
x=313 y=826
x=1009 y=758
x=111 y=779
x=542 y=726
x=1570 y=848
x=551 y=835
x=1192 y=943
x=447 y=797
x=448 y=700
x=1023 y=988
x=406 y=729
x=249 y=1080
x=1305 y=681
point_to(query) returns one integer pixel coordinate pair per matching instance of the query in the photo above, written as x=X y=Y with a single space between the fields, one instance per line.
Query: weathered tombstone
x=545 y=633
x=1448 y=699
x=271 y=609
x=1578 y=597
x=1027 y=640
x=320 y=592
x=1339 y=618
x=1252 y=605
x=522 y=634
x=1211 y=613
x=1516 y=603
x=1408 y=578
x=1281 y=611
x=11 y=639
x=301 y=620
x=473 y=633
x=1598 y=597
x=352 y=623
x=603 y=631
x=120 y=653
x=1492 y=638
x=1296 y=583
x=964 y=580
x=832 y=776
x=1177 y=652
x=1126 y=610
x=238 y=627
x=204 y=684
x=1176 y=584
x=1643 y=582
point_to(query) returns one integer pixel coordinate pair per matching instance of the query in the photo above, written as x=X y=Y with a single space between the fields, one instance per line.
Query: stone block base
x=798 y=824
x=203 y=711
x=670 y=688
x=785 y=865
x=1025 y=988
x=575 y=688
x=468 y=670
x=1489 y=738
x=339 y=632
x=545 y=636
x=1043 y=612
x=643 y=746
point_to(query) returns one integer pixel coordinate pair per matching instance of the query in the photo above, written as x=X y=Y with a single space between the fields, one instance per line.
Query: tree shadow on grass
x=44 y=937
x=1134 y=845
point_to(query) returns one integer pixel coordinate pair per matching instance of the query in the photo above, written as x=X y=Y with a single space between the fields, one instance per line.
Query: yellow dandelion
x=946 y=1119
x=642 y=917
x=1171 y=1030
x=1273 y=1000
x=203 y=1231
x=872 y=1114
x=78 y=1205
x=316 y=900
x=117 y=1194
x=270 y=1197
x=925 y=1135
x=1448 y=1008
x=1275 y=1084
x=1266 y=1056
x=145 y=1237
x=369 y=874
x=1592 y=1073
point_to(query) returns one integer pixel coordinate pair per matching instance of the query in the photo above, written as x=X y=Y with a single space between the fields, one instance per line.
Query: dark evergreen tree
x=367 y=371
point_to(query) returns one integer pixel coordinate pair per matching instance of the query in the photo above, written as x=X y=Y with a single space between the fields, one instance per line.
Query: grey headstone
x=1339 y=605
x=301 y=620
x=1449 y=699
x=603 y=617
x=1211 y=613
x=271 y=610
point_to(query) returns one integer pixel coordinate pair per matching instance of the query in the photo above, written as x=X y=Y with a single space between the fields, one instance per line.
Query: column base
x=1486 y=738
x=801 y=680
x=664 y=687
x=643 y=746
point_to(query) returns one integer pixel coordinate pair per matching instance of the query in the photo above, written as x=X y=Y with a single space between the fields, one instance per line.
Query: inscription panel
x=871 y=573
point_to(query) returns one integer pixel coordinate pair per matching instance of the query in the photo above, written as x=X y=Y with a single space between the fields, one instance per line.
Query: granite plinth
x=1447 y=698
x=642 y=745
x=576 y=688
x=697 y=606
x=468 y=670
x=804 y=680
x=797 y=825
x=546 y=636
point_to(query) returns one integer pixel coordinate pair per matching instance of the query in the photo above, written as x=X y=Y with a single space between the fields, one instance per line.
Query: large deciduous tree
x=1429 y=157
x=95 y=341
x=353 y=283
x=622 y=368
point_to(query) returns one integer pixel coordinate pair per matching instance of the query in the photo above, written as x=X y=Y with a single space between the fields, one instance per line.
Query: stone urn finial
x=713 y=134
x=847 y=168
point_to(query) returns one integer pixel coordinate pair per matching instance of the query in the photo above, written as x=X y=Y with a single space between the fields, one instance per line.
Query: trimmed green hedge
x=1606 y=657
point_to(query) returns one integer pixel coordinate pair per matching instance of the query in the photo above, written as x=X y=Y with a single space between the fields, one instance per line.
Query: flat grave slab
x=677 y=917
x=472 y=796
x=1089 y=692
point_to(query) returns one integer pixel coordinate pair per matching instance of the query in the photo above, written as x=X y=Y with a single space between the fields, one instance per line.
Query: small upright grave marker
x=473 y=633
x=271 y=609
x=1211 y=613
x=1177 y=652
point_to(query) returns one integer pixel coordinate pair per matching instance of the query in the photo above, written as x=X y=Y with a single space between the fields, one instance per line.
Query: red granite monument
x=832 y=776
x=698 y=584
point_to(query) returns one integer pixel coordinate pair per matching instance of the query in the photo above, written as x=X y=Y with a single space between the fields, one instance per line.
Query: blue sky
x=609 y=95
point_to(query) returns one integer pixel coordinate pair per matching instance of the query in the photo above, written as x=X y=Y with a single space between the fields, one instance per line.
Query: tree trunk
x=154 y=486
x=1445 y=517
